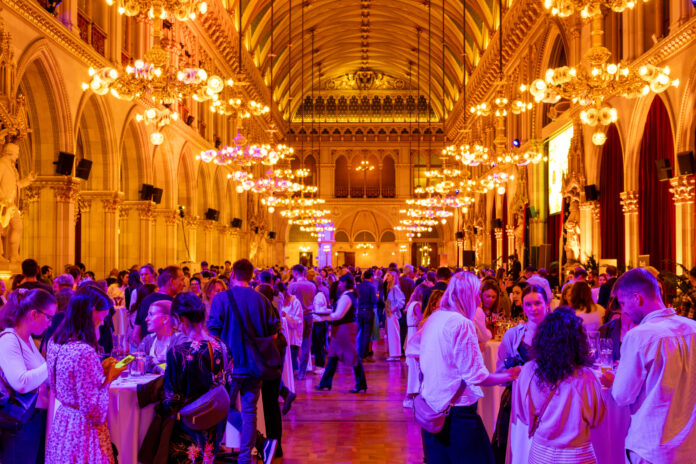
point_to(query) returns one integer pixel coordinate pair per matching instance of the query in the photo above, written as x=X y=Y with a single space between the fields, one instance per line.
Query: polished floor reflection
x=338 y=427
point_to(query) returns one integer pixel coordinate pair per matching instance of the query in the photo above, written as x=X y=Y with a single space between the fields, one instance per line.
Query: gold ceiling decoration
x=181 y=10
x=13 y=112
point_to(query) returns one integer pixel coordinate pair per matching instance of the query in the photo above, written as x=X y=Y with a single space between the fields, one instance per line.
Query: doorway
x=425 y=254
x=306 y=259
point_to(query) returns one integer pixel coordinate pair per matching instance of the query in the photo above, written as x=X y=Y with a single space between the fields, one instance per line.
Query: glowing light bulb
x=156 y=138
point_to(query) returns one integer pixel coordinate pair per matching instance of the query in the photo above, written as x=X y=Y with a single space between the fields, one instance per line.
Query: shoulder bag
x=15 y=408
x=212 y=407
x=429 y=419
x=536 y=417
x=262 y=354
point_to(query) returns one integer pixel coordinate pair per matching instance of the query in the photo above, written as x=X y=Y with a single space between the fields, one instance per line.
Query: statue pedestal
x=7 y=270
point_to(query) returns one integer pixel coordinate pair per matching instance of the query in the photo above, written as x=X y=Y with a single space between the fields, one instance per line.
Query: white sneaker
x=408 y=403
x=318 y=371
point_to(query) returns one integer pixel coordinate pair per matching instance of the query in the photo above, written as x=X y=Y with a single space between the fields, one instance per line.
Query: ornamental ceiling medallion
x=365 y=79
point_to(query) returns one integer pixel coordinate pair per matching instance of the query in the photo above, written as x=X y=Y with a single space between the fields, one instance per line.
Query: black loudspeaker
x=146 y=192
x=591 y=192
x=468 y=258
x=64 y=164
x=476 y=231
x=212 y=214
x=272 y=235
x=157 y=195
x=189 y=120
x=685 y=160
x=84 y=166
x=236 y=223
x=497 y=223
x=664 y=169
x=256 y=230
x=459 y=235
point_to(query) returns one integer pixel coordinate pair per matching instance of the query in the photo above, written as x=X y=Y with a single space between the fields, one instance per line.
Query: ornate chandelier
x=272 y=202
x=182 y=10
x=596 y=79
x=273 y=182
x=495 y=181
x=365 y=166
x=159 y=118
x=242 y=154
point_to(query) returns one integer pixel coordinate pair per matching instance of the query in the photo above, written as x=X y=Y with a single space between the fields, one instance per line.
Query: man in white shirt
x=655 y=377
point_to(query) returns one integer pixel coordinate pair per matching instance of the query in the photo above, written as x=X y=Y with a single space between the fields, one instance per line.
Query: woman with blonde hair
x=210 y=289
x=453 y=371
x=393 y=304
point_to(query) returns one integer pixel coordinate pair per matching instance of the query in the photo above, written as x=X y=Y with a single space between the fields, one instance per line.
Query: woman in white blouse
x=453 y=372
x=395 y=301
x=291 y=310
x=29 y=312
x=585 y=308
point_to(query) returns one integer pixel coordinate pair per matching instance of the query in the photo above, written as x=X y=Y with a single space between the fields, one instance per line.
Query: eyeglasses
x=48 y=316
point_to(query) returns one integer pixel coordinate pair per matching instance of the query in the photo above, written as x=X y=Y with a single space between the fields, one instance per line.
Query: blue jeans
x=463 y=439
x=25 y=444
x=305 y=349
x=244 y=420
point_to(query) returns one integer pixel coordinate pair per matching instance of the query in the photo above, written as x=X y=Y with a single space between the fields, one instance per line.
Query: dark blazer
x=261 y=319
x=439 y=285
x=367 y=296
x=605 y=292
x=612 y=329
x=407 y=286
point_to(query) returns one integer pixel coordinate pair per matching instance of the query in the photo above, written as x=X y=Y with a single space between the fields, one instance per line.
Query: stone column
x=589 y=236
x=683 y=188
x=189 y=237
x=629 y=202
x=145 y=211
x=498 y=247
x=99 y=230
x=510 y=236
x=596 y=231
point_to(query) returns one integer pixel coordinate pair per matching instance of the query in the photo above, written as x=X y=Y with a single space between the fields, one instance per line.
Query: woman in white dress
x=585 y=308
x=414 y=316
x=394 y=303
x=291 y=310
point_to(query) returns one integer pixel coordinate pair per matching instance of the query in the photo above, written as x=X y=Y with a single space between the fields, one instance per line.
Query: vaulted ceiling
x=401 y=39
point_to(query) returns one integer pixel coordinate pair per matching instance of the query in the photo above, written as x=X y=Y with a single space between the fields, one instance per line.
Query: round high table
x=489 y=405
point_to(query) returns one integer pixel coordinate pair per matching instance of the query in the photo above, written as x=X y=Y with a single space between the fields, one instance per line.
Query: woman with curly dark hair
x=559 y=398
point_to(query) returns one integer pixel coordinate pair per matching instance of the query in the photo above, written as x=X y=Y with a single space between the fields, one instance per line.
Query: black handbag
x=15 y=408
x=209 y=409
x=262 y=354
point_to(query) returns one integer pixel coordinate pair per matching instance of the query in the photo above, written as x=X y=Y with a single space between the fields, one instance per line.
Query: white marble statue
x=572 y=229
x=10 y=216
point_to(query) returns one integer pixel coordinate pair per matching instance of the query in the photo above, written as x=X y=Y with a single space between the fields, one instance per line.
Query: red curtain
x=505 y=240
x=611 y=184
x=553 y=234
x=657 y=215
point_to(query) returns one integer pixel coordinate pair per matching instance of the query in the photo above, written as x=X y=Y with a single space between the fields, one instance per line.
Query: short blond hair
x=462 y=294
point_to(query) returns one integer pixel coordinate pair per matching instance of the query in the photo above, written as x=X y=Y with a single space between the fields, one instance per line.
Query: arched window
x=341 y=236
x=372 y=178
x=364 y=236
x=310 y=163
x=357 y=178
x=388 y=177
x=388 y=237
x=557 y=59
x=420 y=165
x=341 y=177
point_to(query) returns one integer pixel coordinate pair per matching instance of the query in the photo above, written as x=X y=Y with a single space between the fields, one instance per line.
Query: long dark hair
x=560 y=346
x=21 y=302
x=78 y=324
x=581 y=297
x=188 y=305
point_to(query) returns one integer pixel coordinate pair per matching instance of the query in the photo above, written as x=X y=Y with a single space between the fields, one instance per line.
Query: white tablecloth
x=490 y=403
x=120 y=321
x=128 y=423
x=607 y=439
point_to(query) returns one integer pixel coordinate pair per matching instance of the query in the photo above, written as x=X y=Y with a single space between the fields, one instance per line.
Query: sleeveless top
x=350 y=314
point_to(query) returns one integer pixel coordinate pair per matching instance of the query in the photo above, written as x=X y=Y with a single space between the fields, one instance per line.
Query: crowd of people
x=229 y=328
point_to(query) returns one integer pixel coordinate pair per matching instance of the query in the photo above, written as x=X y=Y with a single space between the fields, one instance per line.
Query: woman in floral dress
x=188 y=376
x=79 y=433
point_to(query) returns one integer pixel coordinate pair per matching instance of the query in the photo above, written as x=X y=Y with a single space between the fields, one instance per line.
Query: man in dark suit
x=367 y=300
x=443 y=277
x=605 y=289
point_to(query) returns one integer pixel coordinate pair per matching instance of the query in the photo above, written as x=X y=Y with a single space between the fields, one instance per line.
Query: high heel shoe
x=358 y=390
x=322 y=388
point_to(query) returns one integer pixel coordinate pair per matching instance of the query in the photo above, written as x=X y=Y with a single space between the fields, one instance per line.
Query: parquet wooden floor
x=338 y=427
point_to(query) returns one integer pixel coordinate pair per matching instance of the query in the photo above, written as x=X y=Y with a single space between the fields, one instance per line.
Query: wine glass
x=606 y=353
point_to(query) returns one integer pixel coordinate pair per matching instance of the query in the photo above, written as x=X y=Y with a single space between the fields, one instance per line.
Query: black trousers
x=319 y=343
x=366 y=319
x=463 y=439
x=403 y=329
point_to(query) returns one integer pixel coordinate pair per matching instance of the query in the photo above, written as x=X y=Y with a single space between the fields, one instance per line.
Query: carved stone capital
x=683 y=188
x=629 y=202
x=509 y=231
x=592 y=207
x=111 y=205
x=498 y=233
x=31 y=193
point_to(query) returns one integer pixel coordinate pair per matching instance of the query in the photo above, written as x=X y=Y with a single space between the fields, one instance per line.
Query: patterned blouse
x=79 y=433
